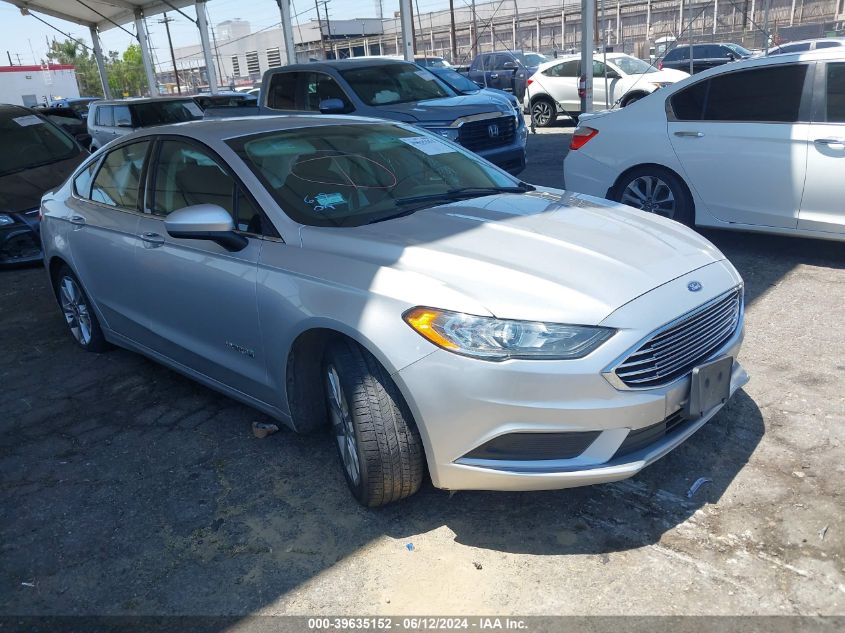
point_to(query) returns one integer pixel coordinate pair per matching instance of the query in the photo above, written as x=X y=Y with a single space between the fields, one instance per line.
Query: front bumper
x=20 y=243
x=462 y=404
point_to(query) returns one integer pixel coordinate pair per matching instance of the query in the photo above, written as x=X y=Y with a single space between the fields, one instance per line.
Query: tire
x=656 y=190
x=377 y=441
x=543 y=112
x=76 y=308
x=632 y=99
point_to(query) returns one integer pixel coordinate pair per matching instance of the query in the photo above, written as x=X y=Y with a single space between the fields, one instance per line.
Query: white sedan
x=553 y=89
x=755 y=145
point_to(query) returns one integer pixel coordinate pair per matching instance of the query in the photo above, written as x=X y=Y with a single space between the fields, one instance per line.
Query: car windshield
x=394 y=83
x=533 y=59
x=457 y=81
x=632 y=66
x=354 y=174
x=162 y=112
x=28 y=141
x=739 y=50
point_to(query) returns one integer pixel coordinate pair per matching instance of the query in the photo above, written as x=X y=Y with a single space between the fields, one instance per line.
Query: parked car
x=228 y=99
x=757 y=145
x=400 y=91
x=461 y=84
x=505 y=70
x=35 y=156
x=802 y=46
x=553 y=89
x=79 y=105
x=110 y=119
x=437 y=313
x=429 y=62
x=704 y=56
x=70 y=120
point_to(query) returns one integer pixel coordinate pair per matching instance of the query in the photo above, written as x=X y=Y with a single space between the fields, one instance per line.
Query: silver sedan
x=438 y=314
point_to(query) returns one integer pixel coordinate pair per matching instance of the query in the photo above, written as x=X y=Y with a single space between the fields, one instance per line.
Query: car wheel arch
x=657 y=166
x=634 y=95
x=55 y=264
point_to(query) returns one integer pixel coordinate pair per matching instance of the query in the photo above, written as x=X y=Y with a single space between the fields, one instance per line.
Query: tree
x=73 y=53
x=126 y=72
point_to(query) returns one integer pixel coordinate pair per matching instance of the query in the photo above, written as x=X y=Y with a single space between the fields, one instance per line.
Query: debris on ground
x=822 y=532
x=798 y=474
x=263 y=429
x=698 y=483
x=477 y=565
x=28 y=584
x=409 y=547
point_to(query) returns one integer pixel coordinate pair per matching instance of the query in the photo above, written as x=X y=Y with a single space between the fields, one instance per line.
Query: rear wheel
x=378 y=443
x=543 y=112
x=76 y=309
x=656 y=190
x=632 y=98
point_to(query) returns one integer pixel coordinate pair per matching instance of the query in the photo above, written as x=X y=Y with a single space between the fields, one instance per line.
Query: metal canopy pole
x=202 y=25
x=588 y=17
x=145 y=53
x=407 y=30
x=287 y=31
x=101 y=64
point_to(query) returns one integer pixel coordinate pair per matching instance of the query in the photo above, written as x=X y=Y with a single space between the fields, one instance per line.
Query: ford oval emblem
x=694 y=286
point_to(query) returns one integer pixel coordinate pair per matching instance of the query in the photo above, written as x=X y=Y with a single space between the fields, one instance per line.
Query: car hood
x=446 y=110
x=546 y=255
x=22 y=190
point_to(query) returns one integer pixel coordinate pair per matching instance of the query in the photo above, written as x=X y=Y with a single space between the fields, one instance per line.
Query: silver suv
x=108 y=120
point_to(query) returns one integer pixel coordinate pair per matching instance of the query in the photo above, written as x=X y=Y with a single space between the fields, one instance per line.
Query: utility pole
x=517 y=42
x=217 y=55
x=474 y=41
x=328 y=24
x=452 y=31
x=166 y=21
x=691 y=54
x=9 y=55
x=588 y=17
x=320 y=24
x=766 y=25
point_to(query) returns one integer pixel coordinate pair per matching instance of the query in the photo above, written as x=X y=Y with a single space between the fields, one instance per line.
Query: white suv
x=553 y=89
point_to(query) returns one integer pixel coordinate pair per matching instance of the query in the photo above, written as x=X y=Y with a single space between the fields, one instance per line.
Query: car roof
x=12 y=109
x=809 y=40
x=134 y=100
x=214 y=130
x=340 y=64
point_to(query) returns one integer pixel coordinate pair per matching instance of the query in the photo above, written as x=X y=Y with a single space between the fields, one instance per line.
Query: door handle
x=830 y=141
x=153 y=239
x=494 y=75
x=78 y=220
x=689 y=133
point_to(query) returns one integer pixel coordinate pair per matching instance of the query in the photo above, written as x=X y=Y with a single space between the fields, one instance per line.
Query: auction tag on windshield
x=26 y=121
x=428 y=145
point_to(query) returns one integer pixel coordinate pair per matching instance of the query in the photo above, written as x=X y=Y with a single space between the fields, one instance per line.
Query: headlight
x=447 y=132
x=5 y=220
x=500 y=339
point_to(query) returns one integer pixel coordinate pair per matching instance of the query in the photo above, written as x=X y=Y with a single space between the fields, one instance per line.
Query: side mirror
x=732 y=57
x=612 y=74
x=205 y=222
x=332 y=106
x=509 y=65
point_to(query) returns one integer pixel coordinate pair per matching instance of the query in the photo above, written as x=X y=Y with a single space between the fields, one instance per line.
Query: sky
x=26 y=37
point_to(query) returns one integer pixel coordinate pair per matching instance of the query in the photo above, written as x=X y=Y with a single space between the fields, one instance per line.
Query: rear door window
x=836 y=93
x=105 y=116
x=185 y=176
x=828 y=45
x=566 y=69
x=281 y=95
x=320 y=87
x=677 y=54
x=117 y=184
x=767 y=94
x=122 y=116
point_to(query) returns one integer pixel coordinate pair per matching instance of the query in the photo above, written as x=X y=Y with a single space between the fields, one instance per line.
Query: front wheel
x=378 y=443
x=656 y=190
x=543 y=112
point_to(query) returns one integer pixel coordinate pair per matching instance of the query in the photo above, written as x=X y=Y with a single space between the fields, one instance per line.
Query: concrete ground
x=127 y=489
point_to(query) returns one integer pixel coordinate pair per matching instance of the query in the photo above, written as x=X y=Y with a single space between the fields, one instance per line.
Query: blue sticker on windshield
x=323 y=201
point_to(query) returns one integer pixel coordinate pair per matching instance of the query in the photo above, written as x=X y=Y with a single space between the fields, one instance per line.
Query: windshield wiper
x=417 y=203
x=464 y=192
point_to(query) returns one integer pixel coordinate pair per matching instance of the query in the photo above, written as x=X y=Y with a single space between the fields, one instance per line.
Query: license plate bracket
x=710 y=386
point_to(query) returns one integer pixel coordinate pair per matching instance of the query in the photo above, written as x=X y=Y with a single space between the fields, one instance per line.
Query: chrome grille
x=682 y=344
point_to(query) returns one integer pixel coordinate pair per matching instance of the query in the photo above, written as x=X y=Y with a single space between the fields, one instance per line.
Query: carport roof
x=104 y=14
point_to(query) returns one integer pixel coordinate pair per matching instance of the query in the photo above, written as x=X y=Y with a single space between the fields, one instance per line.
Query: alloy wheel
x=542 y=113
x=75 y=309
x=650 y=193
x=342 y=425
